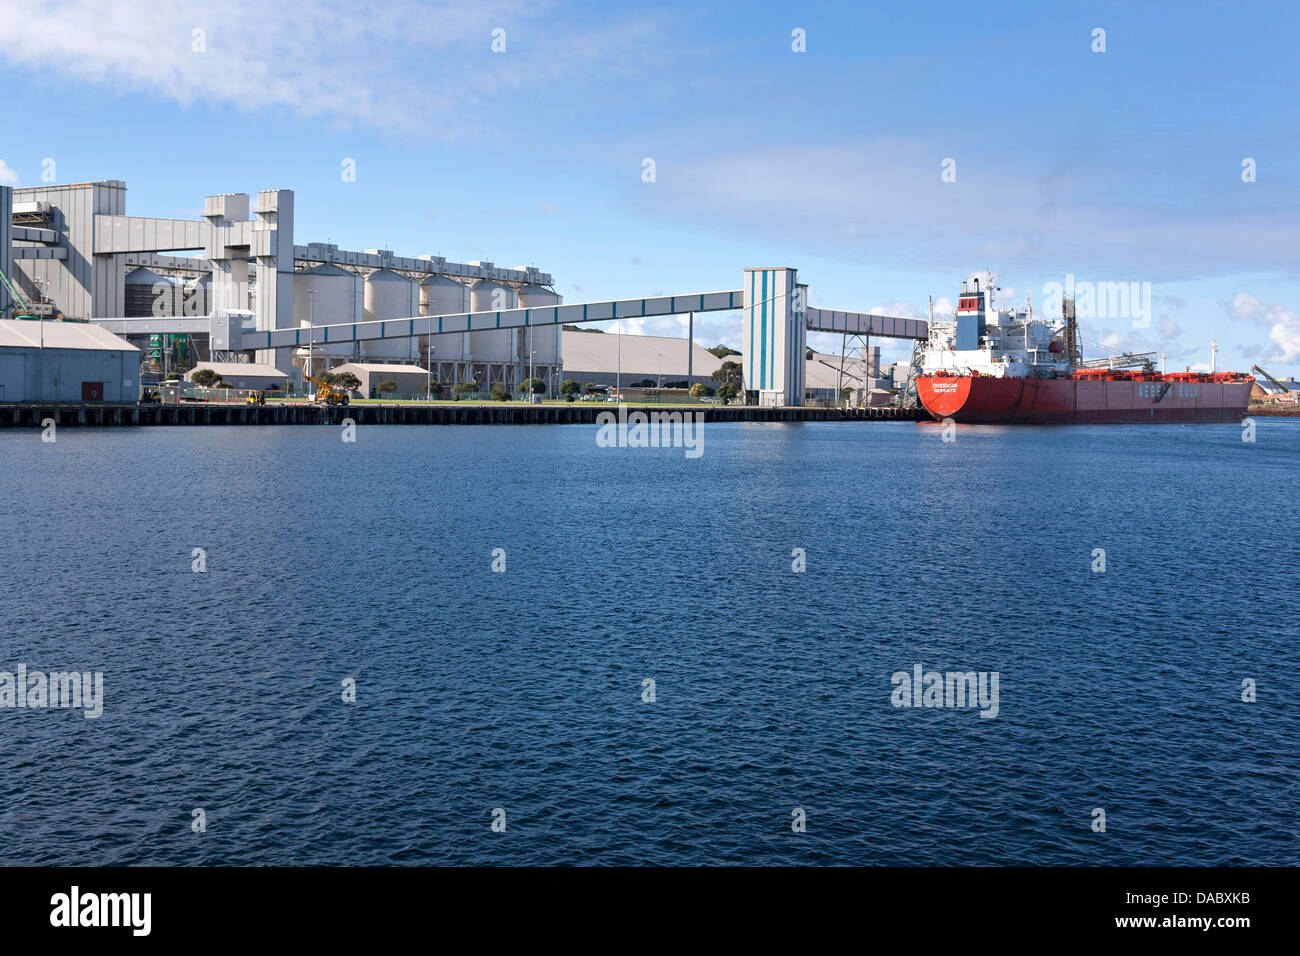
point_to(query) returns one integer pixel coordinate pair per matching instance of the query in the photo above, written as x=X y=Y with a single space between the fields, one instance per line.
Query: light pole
x=428 y=387
x=530 y=376
x=311 y=329
x=618 y=375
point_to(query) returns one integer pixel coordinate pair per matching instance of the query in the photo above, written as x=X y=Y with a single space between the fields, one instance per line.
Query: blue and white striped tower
x=774 y=338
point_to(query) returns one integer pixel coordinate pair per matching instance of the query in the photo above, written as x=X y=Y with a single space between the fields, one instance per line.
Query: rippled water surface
x=523 y=690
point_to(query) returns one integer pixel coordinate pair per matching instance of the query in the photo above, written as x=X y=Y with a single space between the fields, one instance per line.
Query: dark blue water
x=523 y=690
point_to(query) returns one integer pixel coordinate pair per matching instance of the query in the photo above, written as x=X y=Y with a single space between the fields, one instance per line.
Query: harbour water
x=525 y=689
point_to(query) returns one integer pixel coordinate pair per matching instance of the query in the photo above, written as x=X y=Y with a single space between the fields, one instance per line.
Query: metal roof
x=25 y=333
x=368 y=367
x=254 y=369
x=642 y=355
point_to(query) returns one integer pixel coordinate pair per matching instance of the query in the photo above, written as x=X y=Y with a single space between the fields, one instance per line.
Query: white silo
x=544 y=341
x=492 y=345
x=442 y=295
x=390 y=295
x=326 y=295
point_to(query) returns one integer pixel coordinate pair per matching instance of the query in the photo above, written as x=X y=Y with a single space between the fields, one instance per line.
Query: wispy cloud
x=7 y=176
x=884 y=201
x=1283 y=325
x=402 y=66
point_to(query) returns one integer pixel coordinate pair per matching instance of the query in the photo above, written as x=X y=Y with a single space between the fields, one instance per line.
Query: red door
x=92 y=391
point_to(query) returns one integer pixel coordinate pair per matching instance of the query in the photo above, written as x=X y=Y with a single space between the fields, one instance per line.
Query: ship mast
x=1073 y=345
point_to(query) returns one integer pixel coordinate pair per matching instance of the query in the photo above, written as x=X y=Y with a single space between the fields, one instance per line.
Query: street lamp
x=530 y=376
x=311 y=329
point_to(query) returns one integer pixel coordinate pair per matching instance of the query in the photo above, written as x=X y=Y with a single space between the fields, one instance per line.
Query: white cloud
x=1283 y=325
x=7 y=176
x=402 y=65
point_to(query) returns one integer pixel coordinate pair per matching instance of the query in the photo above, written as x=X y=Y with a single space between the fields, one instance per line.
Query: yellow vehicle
x=255 y=398
x=327 y=394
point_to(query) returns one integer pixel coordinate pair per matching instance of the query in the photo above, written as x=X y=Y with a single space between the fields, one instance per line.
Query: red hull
x=1068 y=401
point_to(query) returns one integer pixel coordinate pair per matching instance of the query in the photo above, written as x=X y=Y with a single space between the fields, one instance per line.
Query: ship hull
x=1067 y=401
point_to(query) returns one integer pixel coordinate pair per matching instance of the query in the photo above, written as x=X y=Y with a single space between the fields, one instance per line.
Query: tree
x=570 y=387
x=727 y=391
x=205 y=378
x=463 y=388
x=729 y=372
x=700 y=390
x=722 y=351
x=223 y=384
x=347 y=381
x=499 y=392
x=534 y=385
x=387 y=385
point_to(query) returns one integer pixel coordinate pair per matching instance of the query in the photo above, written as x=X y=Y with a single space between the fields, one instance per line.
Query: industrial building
x=411 y=381
x=65 y=362
x=612 y=359
x=244 y=374
x=247 y=292
x=609 y=359
x=72 y=250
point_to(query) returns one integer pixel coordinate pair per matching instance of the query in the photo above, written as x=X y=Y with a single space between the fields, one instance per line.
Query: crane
x=24 y=311
x=1281 y=389
x=327 y=394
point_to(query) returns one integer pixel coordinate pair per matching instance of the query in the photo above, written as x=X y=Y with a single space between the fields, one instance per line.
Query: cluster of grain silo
x=330 y=294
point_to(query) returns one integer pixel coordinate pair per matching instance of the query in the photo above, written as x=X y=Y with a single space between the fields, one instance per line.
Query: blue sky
x=1117 y=166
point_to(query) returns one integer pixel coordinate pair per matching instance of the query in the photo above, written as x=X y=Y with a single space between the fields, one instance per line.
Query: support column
x=774 y=337
x=229 y=274
x=273 y=232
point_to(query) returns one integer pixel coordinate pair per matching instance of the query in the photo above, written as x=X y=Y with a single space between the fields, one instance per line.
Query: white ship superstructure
x=1008 y=343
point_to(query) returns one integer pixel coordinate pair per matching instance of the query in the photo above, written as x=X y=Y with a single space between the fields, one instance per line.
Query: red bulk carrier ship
x=1006 y=367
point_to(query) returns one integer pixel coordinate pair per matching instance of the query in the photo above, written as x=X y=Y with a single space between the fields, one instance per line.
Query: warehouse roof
x=239 y=368
x=28 y=333
x=820 y=375
x=642 y=354
x=382 y=369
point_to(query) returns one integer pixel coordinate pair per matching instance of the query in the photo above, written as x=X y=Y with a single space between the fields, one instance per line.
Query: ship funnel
x=977 y=285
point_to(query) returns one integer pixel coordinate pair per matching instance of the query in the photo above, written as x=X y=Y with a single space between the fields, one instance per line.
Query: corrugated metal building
x=66 y=362
x=411 y=380
x=244 y=374
x=594 y=357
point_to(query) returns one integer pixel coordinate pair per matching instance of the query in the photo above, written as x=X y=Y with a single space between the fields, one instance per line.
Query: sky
x=886 y=151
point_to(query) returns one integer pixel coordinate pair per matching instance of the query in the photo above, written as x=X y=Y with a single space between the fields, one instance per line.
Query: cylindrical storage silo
x=544 y=340
x=390 y=295
x=442 y=295
x=326 y=295
x=146 y=293
x=492 y=345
